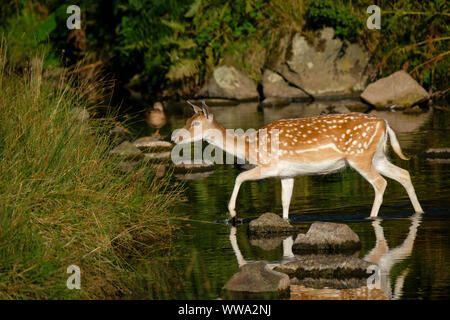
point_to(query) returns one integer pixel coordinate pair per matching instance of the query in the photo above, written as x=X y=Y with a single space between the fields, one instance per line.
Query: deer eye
x=196 y=123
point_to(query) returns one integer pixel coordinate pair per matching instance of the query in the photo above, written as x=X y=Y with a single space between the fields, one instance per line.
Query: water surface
x=415 y=250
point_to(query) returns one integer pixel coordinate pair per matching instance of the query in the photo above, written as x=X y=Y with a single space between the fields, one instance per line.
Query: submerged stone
x=127 y=150
x=326 y=267
x=270 y=223
x=327 y=237
x=152 y=144
x=256 y=280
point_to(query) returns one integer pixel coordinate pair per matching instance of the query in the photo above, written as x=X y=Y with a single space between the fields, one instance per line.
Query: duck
x=156 y=118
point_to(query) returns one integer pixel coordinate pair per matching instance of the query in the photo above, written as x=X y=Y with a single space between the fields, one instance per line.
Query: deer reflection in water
x=380 y=255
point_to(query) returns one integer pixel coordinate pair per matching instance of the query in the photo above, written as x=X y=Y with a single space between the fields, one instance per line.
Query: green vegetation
x=174 y=45
x=62 y=201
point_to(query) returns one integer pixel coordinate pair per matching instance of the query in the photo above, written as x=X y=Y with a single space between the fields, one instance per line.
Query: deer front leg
x=252 y=174
x=287 y=185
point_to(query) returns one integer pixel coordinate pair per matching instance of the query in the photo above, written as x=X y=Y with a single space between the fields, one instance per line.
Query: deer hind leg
x=252 y=174
x=287 y=185
x=389 y=170
x=376 y=180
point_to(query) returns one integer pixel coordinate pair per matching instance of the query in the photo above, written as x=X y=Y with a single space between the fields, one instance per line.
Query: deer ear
x=196 y=108
x=207 y=112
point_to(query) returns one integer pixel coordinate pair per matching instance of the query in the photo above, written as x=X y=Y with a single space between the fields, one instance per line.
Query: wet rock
x=327 y=237
x=193 y=168
x=266 y=243
x=438 y=153
x=119 y=134
x=325 y=66
x=227 y=82
x=158 y=156
x=152 y=143
x=301 y=292
x=127 y=150
x=321 y=283
x=325 y=266
x=274 y=86
x=270 y=223
x=256 y=278
x=398 y=89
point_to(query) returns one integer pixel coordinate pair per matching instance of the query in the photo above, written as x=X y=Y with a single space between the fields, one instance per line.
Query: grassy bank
x=62 y=201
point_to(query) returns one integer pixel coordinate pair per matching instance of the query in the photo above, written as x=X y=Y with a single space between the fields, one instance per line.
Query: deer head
x=200 y=126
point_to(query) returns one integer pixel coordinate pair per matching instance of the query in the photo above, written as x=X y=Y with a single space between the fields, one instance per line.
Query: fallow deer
x=317 y=145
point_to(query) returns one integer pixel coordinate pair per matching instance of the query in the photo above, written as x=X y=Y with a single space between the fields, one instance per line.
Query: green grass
x=62 y=201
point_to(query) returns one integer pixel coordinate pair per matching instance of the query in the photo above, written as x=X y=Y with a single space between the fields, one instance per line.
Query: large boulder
x=274 y=86
x=327 y=237
x=333 y=266
x=398 y=89
x=256 y=278
x=324 y=66
x=270 y=224
x=227 y=82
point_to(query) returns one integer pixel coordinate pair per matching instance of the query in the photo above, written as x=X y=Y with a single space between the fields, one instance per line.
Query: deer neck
x=231 y=142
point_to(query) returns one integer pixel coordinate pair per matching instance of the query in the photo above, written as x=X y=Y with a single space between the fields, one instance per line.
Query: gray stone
x=324 y=66
x=158 y=156
x=325 y=266
x=270 y=223
x=398 y=89
x=321 y=283
x=439 y=153
x=327 y=237
x=227 y=82
x=127 y=150
x=257 y=277
x=274 y=86
x=152 y=144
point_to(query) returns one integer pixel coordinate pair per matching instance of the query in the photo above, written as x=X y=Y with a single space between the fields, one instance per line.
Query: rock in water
x=257 y=278
x=270 y=223
x=152 y=143
x=127 y=150
x=398 y=89
x=327 y=237
x=229 y=83
x=325 y=267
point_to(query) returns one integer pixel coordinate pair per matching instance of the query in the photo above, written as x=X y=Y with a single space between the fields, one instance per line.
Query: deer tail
x=395 y=144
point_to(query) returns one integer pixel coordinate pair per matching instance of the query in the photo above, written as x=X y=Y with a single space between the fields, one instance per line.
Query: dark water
x=413 y=250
